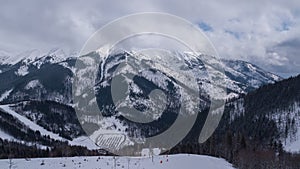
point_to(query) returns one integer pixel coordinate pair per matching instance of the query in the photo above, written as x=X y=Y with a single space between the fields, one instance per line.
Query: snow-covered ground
x=181 y=161
x=292 y=143
x=30 y=123
x=5 y=136
x=5 y=94
x=291 y=118
x=81 y=141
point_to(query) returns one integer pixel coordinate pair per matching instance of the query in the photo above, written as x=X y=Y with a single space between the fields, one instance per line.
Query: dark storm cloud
x=291 y=50
x=291 y=43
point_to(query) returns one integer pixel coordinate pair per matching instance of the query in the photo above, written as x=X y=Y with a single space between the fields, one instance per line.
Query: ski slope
x=182 y=161
x=30 y=123
x=81 y=141
x=5 y=136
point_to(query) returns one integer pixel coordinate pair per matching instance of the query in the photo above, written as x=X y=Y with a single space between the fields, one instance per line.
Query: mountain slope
x=250 y=76
x=260 y=123
x=275 y=110
x=48 y=76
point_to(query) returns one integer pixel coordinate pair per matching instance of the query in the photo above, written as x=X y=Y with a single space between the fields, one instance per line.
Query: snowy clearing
x=158 y=162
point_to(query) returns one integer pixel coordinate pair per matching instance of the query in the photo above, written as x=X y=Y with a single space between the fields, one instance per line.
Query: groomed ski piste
x=180 y=161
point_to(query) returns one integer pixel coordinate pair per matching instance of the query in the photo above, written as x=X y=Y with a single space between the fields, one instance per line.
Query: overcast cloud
x=266 y=33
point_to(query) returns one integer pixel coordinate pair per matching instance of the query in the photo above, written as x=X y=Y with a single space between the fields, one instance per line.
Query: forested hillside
x=256 y=129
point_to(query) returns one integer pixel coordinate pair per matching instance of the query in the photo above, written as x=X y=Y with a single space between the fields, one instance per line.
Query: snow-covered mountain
x=249 y=75
x=48 y=76
x=33 y=75
x=34 y=80
x=37 y=107
x=54 y=55
x=275 y=108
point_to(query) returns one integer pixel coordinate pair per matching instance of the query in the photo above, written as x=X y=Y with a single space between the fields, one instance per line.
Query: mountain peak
x=248 y=72
x=56 y=54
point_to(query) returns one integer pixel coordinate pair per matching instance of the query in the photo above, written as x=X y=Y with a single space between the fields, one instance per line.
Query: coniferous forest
x=247 y=137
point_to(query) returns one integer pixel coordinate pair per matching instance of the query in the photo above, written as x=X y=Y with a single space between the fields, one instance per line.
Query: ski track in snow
x=180 y=161
x=5 y=136
x=5 y=94
x=81 y=141
x=30 y=124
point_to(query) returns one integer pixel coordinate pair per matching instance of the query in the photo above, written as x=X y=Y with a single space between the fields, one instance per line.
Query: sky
x=266 y=33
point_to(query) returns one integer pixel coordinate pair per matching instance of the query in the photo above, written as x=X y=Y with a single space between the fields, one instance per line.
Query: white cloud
x=252 y=30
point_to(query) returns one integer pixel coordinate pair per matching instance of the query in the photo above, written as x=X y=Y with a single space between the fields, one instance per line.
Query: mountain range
x=261 y=112
x=34 y=76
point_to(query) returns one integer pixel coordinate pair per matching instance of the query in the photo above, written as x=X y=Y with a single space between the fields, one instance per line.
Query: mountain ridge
x=261 y=119
x=237 y=81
